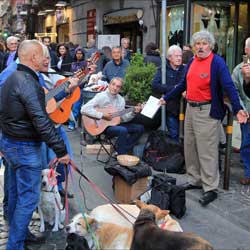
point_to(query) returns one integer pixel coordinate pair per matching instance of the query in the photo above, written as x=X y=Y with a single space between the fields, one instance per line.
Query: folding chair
x=105 y=141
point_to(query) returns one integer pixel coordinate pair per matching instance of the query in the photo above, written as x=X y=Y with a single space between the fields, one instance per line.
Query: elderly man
x=117 y=66
x=25 y=124
x=12 y=44
x=127 y=133
x=174 y=73
x=125 y=46
x=206 y=77
x=241 y=78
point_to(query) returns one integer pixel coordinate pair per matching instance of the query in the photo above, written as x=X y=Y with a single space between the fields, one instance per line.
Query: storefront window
x=175 y=25
x=218 y=18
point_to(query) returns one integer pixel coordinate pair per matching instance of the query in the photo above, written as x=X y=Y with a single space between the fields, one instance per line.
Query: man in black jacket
x=25 y=124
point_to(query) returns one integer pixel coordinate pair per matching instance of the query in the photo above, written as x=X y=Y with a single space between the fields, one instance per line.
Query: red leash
x=118 y=208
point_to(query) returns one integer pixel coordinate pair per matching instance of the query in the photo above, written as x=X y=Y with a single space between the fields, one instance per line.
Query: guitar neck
x=52 y=93
x=122 y=112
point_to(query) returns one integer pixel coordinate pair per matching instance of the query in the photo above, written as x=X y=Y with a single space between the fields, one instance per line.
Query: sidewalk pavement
x=225 y=222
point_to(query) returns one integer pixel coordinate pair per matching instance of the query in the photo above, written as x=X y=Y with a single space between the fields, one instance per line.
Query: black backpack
x=163 y=153
x=166 y=195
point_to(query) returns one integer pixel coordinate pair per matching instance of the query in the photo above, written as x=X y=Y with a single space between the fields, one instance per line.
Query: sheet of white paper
x=236 y=138
x=151 y=107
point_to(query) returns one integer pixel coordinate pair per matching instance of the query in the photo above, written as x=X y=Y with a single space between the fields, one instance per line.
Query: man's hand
x=65 y=159
x=242 y=116
x=138 y=108
x=107 y=116
x=73 y=83
x=245 y=70
x=162 y=101
x=92 y=68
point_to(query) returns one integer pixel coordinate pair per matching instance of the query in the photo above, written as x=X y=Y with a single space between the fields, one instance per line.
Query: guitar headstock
x=80 y=73
x=94 y=57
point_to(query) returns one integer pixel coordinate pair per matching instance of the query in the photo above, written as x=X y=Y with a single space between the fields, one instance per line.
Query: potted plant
x=137 y=87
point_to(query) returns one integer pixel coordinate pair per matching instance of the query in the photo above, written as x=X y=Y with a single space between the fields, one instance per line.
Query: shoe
x=62 y=193
x=34 y=239
x=208 y=197
x=245 y=181
x=190 y=186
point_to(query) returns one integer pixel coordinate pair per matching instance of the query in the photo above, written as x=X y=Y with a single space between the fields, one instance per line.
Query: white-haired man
x=11 y=55
x=174 y=73
x=241 y=78
x=206 y=78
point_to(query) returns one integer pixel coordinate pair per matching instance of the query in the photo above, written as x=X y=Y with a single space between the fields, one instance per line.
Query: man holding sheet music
x=127 y=133
x=174 y=73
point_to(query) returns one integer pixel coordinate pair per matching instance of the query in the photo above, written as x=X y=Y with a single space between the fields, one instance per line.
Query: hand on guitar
x=107 y=116
x=73 y=84
x=92 y=68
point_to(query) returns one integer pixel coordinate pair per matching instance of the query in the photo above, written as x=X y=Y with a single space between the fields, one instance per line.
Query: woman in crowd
x=64 y=58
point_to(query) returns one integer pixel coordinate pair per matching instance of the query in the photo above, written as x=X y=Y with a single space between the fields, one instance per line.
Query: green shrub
x=138 y=78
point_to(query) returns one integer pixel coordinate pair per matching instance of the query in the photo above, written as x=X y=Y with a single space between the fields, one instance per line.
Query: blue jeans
x=173 y=126
x=245 y=147
x=48 y=154
x=24 y=161
x=128 y=134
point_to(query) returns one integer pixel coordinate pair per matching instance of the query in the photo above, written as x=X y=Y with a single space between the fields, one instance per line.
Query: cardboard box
x=125 y=193
x=94 y=148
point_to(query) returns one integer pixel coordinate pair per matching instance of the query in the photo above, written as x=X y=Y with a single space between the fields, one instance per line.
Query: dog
x=106 y=213
x=109 y=236
x=76 y=242
x=148 y=236
x=50 y=207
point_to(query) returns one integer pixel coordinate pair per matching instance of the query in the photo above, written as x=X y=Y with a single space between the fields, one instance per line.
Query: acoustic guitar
x=96 y=126
x=59 y=112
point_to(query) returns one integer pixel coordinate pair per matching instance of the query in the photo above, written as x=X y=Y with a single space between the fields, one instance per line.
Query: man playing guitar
x=127 y=133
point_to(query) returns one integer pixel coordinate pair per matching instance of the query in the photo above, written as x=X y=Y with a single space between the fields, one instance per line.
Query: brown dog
x=148 y=236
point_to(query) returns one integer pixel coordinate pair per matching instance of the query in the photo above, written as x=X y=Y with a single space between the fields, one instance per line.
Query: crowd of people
x=30 y=139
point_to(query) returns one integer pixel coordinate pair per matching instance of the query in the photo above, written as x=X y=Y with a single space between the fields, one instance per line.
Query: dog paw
x=54 y=229
x=61 y=226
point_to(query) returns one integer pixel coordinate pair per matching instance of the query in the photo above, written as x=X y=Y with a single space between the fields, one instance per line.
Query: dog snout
x=67 y=228
x=44 y=183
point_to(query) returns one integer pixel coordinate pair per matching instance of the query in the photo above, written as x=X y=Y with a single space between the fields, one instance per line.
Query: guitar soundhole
x=61 y=109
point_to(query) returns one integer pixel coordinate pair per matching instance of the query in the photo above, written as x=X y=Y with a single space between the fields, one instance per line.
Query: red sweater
x=198 y=79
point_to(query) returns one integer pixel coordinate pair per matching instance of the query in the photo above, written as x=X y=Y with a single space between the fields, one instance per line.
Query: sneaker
x=71 y=128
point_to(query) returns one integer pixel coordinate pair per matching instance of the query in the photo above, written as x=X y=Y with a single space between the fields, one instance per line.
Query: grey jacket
x=238 y=82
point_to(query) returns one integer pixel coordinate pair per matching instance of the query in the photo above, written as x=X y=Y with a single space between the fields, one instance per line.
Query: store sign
x=91 y=22
x=45 y=34
x=121 y=16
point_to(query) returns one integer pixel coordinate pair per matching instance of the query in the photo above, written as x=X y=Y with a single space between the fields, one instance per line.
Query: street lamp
x=61 y=4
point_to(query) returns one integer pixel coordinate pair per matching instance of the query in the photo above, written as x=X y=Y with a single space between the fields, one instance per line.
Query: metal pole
x=163 y=57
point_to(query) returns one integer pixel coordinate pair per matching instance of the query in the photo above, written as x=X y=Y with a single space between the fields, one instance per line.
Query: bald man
x=25 y=124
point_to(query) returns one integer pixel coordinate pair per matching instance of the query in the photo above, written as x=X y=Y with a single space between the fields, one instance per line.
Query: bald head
x=32 y=54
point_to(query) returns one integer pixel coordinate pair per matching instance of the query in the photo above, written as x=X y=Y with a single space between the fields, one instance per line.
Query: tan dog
x=106 y=213
x=112 y=230
x=110 y=236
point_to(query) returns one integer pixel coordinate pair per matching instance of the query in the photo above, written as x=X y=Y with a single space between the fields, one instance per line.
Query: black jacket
x=23 y=113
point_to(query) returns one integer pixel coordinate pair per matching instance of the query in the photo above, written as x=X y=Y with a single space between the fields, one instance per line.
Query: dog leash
x=96 y=242
x=118 y=208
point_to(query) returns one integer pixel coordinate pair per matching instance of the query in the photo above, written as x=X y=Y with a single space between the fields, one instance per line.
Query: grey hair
x=247 y=43
x=173 y=48
x=116 y=78
x=203 y=35
x=11 y=38
x=124 y=39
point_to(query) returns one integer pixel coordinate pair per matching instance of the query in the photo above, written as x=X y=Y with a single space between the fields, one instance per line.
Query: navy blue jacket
x=112 y=70
x=173 y=77
x=220 y=80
